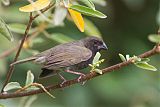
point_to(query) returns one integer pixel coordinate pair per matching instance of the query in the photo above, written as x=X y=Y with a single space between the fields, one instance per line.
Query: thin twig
x=44 y=10
x=154 y=51
x=11 y=69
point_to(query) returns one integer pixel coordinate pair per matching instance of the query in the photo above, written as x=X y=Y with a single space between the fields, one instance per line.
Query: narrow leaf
x=146 y=66
x=127 y=57
x=154 y=38
x=100 y=2
x=122 y=57
x=66 y=3
x=17 y=28
x=5 y=2
x=89 y=3
x=78 y=19
x=96 y=58
x=59 y=15
x=98 y=71
x=88 y=11
x=4 y=30
x=11 y=86
x=30 y=78
x=35 y=6
x=58 y=38
x=143 y=60
x=91 y=29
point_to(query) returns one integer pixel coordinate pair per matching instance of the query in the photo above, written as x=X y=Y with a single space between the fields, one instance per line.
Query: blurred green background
x=125 y=31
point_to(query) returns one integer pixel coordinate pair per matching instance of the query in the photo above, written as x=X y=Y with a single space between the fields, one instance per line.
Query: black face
x=95 y=44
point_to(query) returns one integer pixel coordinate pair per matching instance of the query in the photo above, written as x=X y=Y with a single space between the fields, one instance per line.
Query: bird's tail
x=23 y=61
x=47 y=73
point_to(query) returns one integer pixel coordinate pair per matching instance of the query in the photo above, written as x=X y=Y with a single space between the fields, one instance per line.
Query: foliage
x=125 y=31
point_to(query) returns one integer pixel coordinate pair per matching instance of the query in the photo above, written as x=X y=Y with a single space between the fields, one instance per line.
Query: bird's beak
x=103 y=47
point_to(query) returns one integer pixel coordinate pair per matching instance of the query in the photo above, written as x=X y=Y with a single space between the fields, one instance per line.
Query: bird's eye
x=95 y=42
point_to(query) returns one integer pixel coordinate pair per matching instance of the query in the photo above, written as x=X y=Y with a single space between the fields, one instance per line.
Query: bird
x=67 y=57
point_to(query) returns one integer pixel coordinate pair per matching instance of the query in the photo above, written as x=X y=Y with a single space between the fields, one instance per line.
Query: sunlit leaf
x=89 y=3
x=154 y=38
x=122 y=57
x=11 y=86
x=58 y=38
x=96 y=58
x=35 y=6
x=88 y=11
x=59 y=15
x=146 y=66
x=66 y=3
x=91 y=29
x=5 y=31
x=30 y=78
x=78 y=19
x=6 y=2
x=98 y=71
x=127 y=57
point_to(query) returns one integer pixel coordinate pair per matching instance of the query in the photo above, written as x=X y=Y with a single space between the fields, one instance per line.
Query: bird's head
x=95 y=44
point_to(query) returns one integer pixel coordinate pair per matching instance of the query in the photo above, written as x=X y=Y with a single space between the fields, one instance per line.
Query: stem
x=154 y=51
x=11 y=69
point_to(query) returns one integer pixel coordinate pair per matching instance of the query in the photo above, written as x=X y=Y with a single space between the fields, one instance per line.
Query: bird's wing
x=67 y=56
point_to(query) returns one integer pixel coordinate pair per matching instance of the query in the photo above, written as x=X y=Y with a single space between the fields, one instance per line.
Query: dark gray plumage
x=69 y=56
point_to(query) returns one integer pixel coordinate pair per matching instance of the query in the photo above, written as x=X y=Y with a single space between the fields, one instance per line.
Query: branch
x=11 y=69
x=154 y=51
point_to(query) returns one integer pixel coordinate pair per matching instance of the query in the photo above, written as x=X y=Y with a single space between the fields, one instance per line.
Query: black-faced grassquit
x=68 y=57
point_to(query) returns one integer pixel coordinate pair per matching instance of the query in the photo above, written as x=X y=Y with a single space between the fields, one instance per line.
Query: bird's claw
x=61 y=85
x=80 y=77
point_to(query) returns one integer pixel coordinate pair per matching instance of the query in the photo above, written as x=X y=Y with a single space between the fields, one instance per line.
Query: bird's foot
x=80 y=77
x=61 y=85
x=62 y=78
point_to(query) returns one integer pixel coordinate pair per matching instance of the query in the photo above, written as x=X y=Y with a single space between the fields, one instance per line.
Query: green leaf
x=98 y=71
x=66 y=3
x=91 y=29
x=145 y=65
x=17 y=28
x=60 y=14
x=154 y=38
x=88 y=11
x=5 y=2
x=11 y=86
x=89 y=3
x=4 y=30
x=145 y=59
x=60 y=38
x=1 y=105
x=96 y=58
x=100 y=2
x=36 y=40
x=122 y=57
x=127 y=57
x=142 y=60
x=30 y=78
